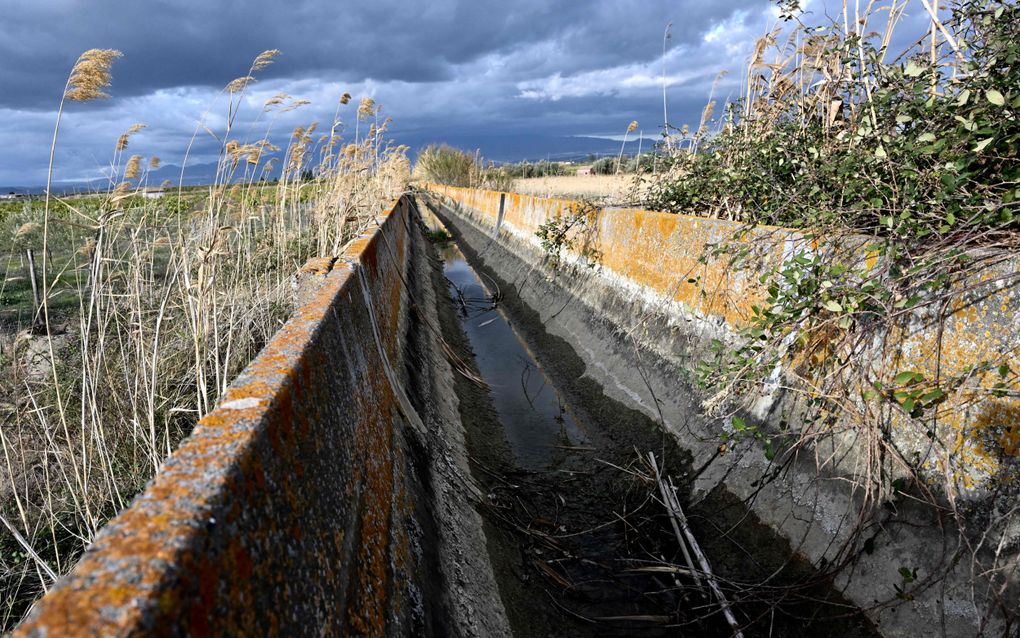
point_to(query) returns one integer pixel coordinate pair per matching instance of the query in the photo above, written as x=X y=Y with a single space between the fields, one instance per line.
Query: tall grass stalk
x=173 y=297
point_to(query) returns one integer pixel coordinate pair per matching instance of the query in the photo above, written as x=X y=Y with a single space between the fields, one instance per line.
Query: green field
x=73 y=224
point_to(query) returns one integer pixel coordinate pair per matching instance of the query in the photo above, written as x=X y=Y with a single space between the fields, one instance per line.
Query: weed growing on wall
x=574 y=231
x=901 y=176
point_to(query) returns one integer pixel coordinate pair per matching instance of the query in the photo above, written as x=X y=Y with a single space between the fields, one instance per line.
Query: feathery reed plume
x=166 y=184
x=264 y=59
x=366 y=108
x=301 y=138
x=706 y=115
x=26 y=229
x=275 y=100
x=133 y=166
x=238 y=84
x=345 y=98
x=154 y=162
x=90 y=75
x=120 y=193
x=122 y=141
x=630 y=129
x=294 y=105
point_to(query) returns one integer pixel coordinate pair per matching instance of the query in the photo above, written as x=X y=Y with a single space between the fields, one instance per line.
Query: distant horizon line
x=83 y=184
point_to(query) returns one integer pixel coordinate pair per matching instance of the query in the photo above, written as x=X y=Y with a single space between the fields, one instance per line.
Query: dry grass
x=171 y=303
x=606 y=189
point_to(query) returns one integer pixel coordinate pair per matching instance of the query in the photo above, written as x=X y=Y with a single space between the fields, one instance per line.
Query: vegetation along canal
x=579 y=537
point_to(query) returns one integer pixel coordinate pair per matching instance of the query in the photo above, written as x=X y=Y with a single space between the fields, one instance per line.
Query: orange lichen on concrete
x=982 y=444
x=659 y=251
x=665 y=255
x=977 y=336
x=318 y=265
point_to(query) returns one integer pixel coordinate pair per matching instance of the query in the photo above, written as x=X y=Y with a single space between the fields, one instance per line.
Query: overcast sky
x=479 y=73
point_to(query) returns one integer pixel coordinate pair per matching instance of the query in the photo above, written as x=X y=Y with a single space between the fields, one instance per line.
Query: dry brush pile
x=444 y=164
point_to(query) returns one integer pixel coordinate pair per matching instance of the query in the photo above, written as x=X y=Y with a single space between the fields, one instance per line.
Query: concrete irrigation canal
x=464 y=432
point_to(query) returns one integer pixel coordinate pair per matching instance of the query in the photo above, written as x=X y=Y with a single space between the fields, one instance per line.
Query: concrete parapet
x=299 y=506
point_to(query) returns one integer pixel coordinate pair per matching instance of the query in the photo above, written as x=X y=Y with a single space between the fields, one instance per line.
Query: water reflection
x=534 y=416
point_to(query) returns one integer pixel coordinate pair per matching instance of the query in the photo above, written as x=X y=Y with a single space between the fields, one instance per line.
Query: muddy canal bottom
x=579 y=539
x=575 y=541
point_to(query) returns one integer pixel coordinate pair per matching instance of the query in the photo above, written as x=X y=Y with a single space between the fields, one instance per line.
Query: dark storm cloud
x=168 y=44
x=478 y=71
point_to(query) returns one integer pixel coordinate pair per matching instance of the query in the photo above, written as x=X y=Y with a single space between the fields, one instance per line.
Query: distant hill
x=194 y=175
x=501 y=149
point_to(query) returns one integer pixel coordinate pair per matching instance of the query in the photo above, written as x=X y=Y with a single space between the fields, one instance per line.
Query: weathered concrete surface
x=326 y=494
x=639 y=325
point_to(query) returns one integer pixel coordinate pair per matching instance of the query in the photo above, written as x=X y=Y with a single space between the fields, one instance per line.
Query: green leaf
x=738 y=424
x=926 y=137
x=933 y=395
x=963 y=97
x=913 y=69
x=907 y=376
x=832 y=306
x=995 y=97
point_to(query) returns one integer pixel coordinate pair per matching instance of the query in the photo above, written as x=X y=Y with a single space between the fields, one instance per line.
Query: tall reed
x=174 y=296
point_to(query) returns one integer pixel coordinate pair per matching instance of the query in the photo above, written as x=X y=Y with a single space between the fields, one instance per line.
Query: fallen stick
x=677 y=517
x=674 y=515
